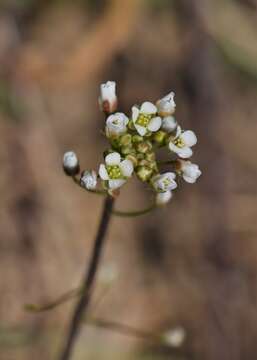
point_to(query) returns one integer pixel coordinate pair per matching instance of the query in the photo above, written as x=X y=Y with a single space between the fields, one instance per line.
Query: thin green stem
x=123 y=329
x=134 y=213
x=69 y=295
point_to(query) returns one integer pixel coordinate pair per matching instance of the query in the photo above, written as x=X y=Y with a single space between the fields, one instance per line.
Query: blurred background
x=192 y=265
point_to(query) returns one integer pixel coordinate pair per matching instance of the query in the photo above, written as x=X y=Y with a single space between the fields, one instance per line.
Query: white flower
x=116 y=124
x=182 y=143
x=163 y=198
x=175 y=337
x=169 y=123
x=115 y=171
x=190 y=171
x=164 y=182
x=89 y=179
x=166 y=105
x=108 y=98
x=144 y=119
x=70 y=163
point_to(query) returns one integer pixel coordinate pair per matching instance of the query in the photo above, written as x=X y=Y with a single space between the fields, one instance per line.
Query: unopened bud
x=144 y=173
x=127 y=150
x=132 y=158
x=137 y=138
x=70 y=163
x=144 y=147
x=160 y=137
x=108 y=100
x=125 y=139
x=150 y=156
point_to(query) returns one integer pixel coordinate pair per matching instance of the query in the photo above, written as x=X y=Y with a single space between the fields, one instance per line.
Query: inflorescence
x=133 y=144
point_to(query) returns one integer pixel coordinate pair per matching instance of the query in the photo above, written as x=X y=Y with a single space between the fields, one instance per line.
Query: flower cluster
x=134 y=140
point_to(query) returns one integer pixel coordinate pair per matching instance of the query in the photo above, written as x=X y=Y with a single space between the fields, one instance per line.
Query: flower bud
x=144 y=147
x=70 y=163
x=132 y=158
x=163 y=198
x=88 y=179
x=131 y=125
x=144 y=173
x=108 y=100
x=127 y=150
x=166 y=105
x=150 y=156
x=125 y=139
x=169 y=124
x=159 y=137
x=137 y=138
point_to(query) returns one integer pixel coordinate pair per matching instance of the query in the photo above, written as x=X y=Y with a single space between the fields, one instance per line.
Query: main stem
x=89 y=279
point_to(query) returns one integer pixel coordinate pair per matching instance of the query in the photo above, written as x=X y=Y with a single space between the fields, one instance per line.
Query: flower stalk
x=89 y=279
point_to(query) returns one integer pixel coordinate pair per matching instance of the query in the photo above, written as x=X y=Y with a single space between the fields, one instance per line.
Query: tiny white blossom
x=163 y=198
x=166 y=106
x=145 y=118
x=89 y=179
x=164 y=182
x=115 y=171
x=183 y=141
x=169 y=123
x=116 y=124
x=175 y=337
x=190 y=171
x=108 y=99
x=70 y=163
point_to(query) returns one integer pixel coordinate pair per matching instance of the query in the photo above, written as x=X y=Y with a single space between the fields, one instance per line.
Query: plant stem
x=89 y=280
x=53 y=304
x=134 y=213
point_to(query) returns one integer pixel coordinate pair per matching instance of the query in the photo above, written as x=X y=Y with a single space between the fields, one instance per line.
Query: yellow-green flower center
x=179 y=142
x=143 y=119
x=115 y=121
x=114 y=172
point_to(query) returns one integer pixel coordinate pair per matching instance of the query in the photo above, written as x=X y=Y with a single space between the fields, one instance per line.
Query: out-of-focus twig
x=95 y=49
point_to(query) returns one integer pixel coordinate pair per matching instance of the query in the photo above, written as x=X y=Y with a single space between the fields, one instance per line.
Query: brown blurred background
x=192 y=264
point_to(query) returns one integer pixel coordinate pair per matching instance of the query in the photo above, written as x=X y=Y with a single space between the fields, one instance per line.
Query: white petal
x=155 y=124
x=184 y=152
x=173 y=147
x=189 y=179
x=166 y=105
x=112 y=159
x=178 y=132
x=148 y=108
x=89 y=179
x=169 y=123
x=140 y=129
x=127 y=168
x=115 y=184
x=163 y=198
x=103 y=172
x=108 y=91
x=135 y=113
x=189 y=138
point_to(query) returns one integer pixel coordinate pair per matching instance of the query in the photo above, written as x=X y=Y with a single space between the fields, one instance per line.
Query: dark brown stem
x=89 y=279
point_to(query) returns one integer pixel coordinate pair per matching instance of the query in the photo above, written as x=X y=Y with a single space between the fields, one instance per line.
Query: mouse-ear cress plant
x=134 y=140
